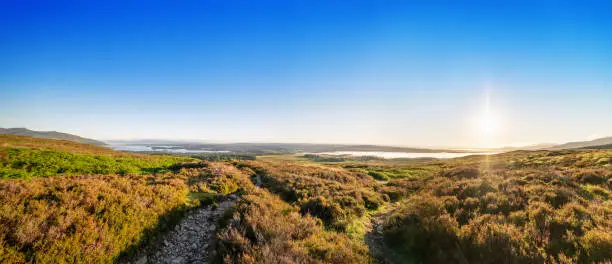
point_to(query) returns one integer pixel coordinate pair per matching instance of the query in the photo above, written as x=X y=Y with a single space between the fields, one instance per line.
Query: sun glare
x=488 y=124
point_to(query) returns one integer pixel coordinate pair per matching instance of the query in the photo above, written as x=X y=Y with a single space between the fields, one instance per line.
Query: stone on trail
x=189 y=240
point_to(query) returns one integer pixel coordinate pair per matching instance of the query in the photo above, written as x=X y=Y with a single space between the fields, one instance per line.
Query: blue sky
x=413 y=73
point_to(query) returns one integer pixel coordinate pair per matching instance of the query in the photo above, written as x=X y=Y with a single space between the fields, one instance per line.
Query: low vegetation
x=21 y=157
x=336 y=196
x=265 y=229
x=99 y=218
x=223 y=156
x=339 y=158
x=531 y=207
x=64 y=202
x=87 y=219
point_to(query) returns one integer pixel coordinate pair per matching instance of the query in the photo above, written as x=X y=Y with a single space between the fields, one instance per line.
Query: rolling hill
x=606 y=146
x=584 y=144
x=50 y=135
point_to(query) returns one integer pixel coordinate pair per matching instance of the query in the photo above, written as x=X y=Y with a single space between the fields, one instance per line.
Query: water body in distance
x=162 y=149
x=395 y=155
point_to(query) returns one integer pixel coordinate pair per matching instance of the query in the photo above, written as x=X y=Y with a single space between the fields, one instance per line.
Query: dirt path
x=376 y=242
x=190 y=241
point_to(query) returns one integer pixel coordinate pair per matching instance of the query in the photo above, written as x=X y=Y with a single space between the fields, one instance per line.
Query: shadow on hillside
x=375 y=241
x=187 y=165
x=153 y=238
x=173 y=168
x=153 y=235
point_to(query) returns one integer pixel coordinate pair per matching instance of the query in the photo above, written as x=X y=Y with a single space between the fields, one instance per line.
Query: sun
x=488 y=124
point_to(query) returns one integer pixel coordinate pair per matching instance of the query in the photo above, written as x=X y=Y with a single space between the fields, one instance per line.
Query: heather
x=262 y=228
x=265 y=229
x=88 y=219
x=336 y=196
x=76 y=216
x=524 y=207
x=72 y=203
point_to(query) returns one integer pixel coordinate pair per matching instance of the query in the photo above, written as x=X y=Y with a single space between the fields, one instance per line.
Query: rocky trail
x=376 y=241
x=192 y=240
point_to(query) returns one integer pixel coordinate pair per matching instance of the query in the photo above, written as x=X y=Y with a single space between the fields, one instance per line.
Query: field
x=66 y=202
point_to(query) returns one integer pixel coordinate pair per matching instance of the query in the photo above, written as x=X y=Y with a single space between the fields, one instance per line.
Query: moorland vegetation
x=66 y=202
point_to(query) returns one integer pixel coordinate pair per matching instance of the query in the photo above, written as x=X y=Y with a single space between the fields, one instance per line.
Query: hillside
x=64 y=217
x=541 y=146
x=607 y=146
x=24 y=157
x=63 y=201
x=50 y=135
x=583 y=144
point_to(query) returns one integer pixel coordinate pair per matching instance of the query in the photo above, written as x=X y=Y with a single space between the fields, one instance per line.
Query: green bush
x=422 y=232
x=378 y=175
x=329 y=213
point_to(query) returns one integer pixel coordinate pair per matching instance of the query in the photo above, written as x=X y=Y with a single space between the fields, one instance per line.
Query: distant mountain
x=528 y=147
x=539 y=146
x=151 y=142
x=50 y=135
x=607 y=146
x=584 y=144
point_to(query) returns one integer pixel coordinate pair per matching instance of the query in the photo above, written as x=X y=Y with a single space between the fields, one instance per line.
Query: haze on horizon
x=407 y=73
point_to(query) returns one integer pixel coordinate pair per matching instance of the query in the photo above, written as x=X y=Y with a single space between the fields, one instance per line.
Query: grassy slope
x=23 y=157
x=584 y=144
x=511 y=208
x=19 y=141
x=97 y=218
x=80 y=218
x=541 y=206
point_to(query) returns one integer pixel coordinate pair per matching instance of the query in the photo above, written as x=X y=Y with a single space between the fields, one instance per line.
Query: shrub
x=264 y=229
x=397 y=189
x=330 y=213
x=529 y=212
x=590 y=177
x=334 y=195
x=487 y=239
x=597 y=246
x=87 y=219
x=422 y=231
x=378 y=175
x=461 y=173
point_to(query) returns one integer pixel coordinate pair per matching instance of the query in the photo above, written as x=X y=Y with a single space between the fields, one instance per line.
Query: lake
x=395 y=155
x=382 y=154
x=163 y=149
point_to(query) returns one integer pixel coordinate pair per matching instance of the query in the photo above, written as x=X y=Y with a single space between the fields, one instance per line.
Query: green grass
x=25 y=163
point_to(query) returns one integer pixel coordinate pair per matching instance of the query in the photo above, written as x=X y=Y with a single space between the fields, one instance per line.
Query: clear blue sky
x=384 y=72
